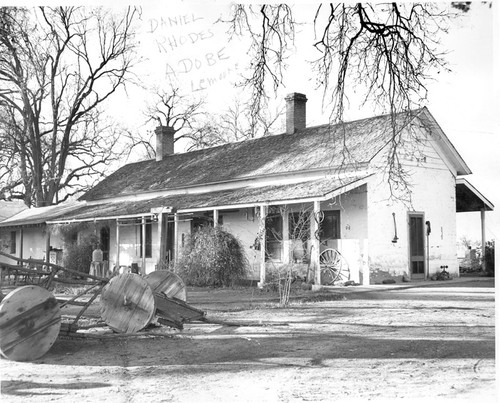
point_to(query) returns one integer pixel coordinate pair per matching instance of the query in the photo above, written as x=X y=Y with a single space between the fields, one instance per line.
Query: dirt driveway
x=380 y=344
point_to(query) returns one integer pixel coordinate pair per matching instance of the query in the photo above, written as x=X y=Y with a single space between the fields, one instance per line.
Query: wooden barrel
x=30 y=320
x=127 y=303
x=168 y=283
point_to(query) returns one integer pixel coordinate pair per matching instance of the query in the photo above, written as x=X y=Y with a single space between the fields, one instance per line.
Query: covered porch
x=469 y=199
x=273 y=223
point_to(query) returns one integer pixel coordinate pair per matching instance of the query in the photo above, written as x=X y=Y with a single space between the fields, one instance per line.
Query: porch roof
x=38 y=215
x=468 y=198
x=319 y=189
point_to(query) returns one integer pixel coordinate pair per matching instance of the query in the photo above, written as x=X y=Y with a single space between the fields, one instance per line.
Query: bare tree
x=172 y=108
x=58 y=67
x=385 y=52
x=237 y=123
x=200 y=129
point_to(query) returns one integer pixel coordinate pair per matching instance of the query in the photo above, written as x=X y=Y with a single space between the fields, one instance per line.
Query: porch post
x=21 y=236
x=315 y=243
x=216 y=218
x=161 y=241
x=117 y=246
x=143 y=246
x=47 y=244
x=262 y=240
x=287 y=243
x=176 y=235
x=483 y=238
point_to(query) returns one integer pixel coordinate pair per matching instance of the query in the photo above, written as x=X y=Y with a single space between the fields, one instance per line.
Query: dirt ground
x=432 y=342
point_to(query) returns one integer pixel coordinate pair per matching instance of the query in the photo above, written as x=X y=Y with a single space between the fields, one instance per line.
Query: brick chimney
x=295 y=112
x=164 y=142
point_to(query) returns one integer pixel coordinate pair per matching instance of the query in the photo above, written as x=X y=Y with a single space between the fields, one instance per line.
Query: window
x=13 y=242
x=149 y=238
x=330 y=226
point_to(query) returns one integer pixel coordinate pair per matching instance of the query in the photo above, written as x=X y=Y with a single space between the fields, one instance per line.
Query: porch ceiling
x=298 y=192
x=468 y=198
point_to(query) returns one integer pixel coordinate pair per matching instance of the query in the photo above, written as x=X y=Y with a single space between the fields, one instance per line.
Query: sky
x=183 y=44
x=180 y=42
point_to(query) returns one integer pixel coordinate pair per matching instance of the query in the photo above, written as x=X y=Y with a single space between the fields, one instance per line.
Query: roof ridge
x=333 y=125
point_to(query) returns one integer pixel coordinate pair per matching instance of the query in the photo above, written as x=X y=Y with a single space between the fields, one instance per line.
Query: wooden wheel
x=127 y=303
x=30 y=320
x=168 y=283
x=334 y=267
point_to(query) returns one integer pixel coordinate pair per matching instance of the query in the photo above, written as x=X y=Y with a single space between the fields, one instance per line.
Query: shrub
x=489 y=258
x=78 y=256
x=213 y=257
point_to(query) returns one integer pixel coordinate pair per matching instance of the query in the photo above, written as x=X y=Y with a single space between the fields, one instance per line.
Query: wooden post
x=143 y=245
x=176 y=236
x=47 y=244
x=21 y=236
x=287 y=242
x=216 y=218
x=315 y=243
x=161 y=240
x=262 y=235
x=117 y=246
x=483 y=238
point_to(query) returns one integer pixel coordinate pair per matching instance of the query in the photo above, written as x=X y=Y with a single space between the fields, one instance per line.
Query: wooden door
x=417 y=246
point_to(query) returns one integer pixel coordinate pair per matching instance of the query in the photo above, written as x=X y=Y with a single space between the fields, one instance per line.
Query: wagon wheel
x=168 y=283
x=334 y=267
x=127 y=303
x=30 y=320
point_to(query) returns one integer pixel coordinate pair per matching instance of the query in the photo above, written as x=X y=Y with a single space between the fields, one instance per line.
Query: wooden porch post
x=47 y=244
x=483 y=238
x=315 y=243
x=262 y=236
x=161 y=241
x=143 y=246
x=117 y=246
x=21 y=236
x=216 y=218
x=176 y=235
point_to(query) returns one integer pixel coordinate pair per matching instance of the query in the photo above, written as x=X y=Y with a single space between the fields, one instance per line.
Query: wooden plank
x=127 y=303
x=176 y=310
x=168 y=283
x=30 y=320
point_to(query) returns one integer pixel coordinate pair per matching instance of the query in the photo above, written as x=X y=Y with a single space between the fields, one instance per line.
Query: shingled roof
x=311 y=148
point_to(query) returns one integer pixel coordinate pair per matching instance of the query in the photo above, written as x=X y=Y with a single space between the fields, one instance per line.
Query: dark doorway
x=104 y=235
x=417 y=246
x=274 y=234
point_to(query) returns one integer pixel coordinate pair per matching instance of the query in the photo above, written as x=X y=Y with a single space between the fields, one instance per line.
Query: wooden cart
x=30 y=314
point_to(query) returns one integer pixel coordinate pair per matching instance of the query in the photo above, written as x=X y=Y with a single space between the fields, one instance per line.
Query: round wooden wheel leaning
x=168 y=283
x=127 y=303
x=30 y=320
x=334 y=267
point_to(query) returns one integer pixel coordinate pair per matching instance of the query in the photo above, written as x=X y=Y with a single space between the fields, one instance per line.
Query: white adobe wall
x=33 y=243
x=130 y=246
x=353 y=242
x=433 y=194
